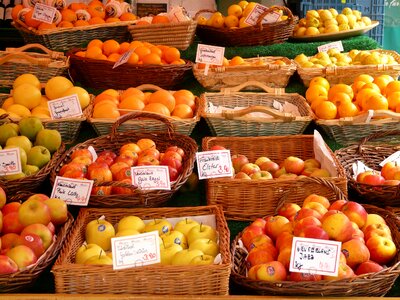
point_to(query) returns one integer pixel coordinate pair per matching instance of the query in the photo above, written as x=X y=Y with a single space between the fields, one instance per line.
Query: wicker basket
x=17 y=61
x=347 y=74
x=371 y=151
x=113 y=141
x=100 y=74
x=245 y=200
x=182 y=126
x=272 y=75
x=151 y=279
x=367 y=285
x=22 y=281
x=63 y=39
x=179 y=35
x=236 y=123
x=259 y=34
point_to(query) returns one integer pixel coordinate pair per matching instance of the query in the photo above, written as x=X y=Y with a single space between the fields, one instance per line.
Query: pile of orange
x=240 y=61
x=343 y=100
x=113 y=104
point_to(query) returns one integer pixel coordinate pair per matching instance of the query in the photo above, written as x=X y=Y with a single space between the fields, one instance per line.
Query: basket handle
x=28 y=58
x=260 y=85
x=231 y=114
x=149 y=86
x=201 y=11
x=274 y=8
x=51 y=53
x=363 y=116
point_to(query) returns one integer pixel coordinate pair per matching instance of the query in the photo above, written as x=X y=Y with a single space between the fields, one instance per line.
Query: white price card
x=151 y=177
x=123 y=58
x=315 y=256
x=323 y=155
x=72 y=191
x=334 y=45
x=208 y=54
x=93 y=152
x=135 y=250
x=10 y=161
x=214 y=164
x=65 y=107
x=44 y=13
x=257 y=11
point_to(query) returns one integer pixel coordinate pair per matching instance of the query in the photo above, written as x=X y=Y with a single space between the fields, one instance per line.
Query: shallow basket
x=22 y=281
x=113 y=141
x=63 y=39
x=347 y=74
x=183 y=126
x=179 y=35
x=270 y=74
x=232 y=122
x=371 y=151
x=151 y=279
x=245 y=200
x=259 y=34
x=367 y=285
x=17 y=61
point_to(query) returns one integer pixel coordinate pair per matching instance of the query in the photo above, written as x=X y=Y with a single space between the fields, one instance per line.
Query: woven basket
x=63 y=39
x=347 y=74
x=151 y=279
x=231 y=122
x=179 y=35
x=367 y=285
x=272 y=75
x=182 y=126
x=371 y=152
x=113 y=141
x=245 y=200
x=22 y=281
x=259 y=34
x=100 y=74
x=17 y=61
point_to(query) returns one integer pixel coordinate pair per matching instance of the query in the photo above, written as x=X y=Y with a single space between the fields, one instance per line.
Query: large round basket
x=113 y=141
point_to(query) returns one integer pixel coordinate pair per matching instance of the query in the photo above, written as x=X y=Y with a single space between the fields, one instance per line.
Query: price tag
x=151 y=177
x=136 y=250
x=44 y=13
x=322 y=154
x=73 y=191
x=65 y=107
x=214 y=164
x=123 y=58
x=93 y=152
x=10 y=161
x=395 y=157
x=208 y=54
x=334 y=45
x=315 y=256
x=359 y=167
x=257 y=11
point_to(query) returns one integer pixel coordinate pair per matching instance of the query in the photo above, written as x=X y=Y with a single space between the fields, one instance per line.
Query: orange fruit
x=142 y=22
x=398 y=108
x=339 y=98
x=371 y=85
x=123 y=47
x=15 y=11
x=142 y=51
x=375 y=101
x=393 y=100
x=111 y=92
x=127 y=16
x=347 y=109
x=320 y=81
x=382 y=81
x=326 y=110
x=185 y=97
x=393 y=86
x=65 y=24
x=68 y=15
x=95 y=42
x=31 y=22
x=106 y=102
x=236 y=60
x=112 y=20
x=106 y=111
x=80 y=53
x=114 y=57
x=133 y=59
x=110 y=46
x=96 y=9
x=177 y=62
x=157 y=108
x=182 y=111
x=171 y=54
x=317 y=101
x=364 y=77
x=134 y=44
x=46 y=26
x=357 y=85
x=77 y=5
x=80 y=23
x=102 y=57
x=102 y=97
x=364 y=94
x=96 y=20
x=151 y=59
x=315 y=91
x=132 y=91
x=163 y=97
x=146 y=97
x=160 y=20
x=340 y=88
x=131 y=103
x=93 y=52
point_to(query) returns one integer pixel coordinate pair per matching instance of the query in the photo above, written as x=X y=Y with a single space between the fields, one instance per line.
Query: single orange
x=393 y=86
x=77 y=5
x=160 y=20
x=106 y=102
x=320 y=81
x=317 y=101
x=157 y=108
x=106 y=111
x=95 y=42
x=103 y=97
x=357 y=85
x=110 y=46
x=47 y=26
x=127 y=16
x=65 y=24
x=142 y=51
x=123 y=47
x=164 y=97
x=236 y=61
x=394 y=100
x=29 y=21
x=185 y=97
x=371 y=85
x=111 y=92
x=347 y=109
x=326 y=110
x=93 y=52
x=340 y=88
x=96 y=20
x=171 y=54
x=134 y=44
x=182 y=111
x=375 y=102
x=80 y=53
x=102 y=57
x=156 y=50
x=151 y=59
x=114 y=57
x=133 y=58
x=112 y=20
x=177 y=62
x=130 y=103
x=340 y=97
x=364 y=94
x=96 y=9
x=382 y=81
x=315 y=91
x=364 y=77
x=132 y=91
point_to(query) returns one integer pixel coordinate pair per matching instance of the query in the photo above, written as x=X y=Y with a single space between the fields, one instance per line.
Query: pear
x=30 y=126
x=49 y=138
x=6 y=131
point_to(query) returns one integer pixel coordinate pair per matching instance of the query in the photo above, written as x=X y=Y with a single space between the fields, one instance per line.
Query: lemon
x=27 y=95
x=83 y=95
x=41 y=112
x=27 y=78
x=7 y=103
x=56 y=86
x=19 y=110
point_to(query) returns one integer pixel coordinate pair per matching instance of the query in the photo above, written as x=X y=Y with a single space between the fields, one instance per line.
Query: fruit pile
x=188 y=242
x=175 y=15
x=27 y=230
x=367 y=244
x=36 y=144
x=240 y=61
x=27 y=100
x=110 y=166
x=330 y=21
x=388 y=175
x=76 y=14
x=112 y=104
x=342 y=100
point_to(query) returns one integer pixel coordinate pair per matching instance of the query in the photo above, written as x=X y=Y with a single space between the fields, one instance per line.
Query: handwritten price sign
x=257 y=11
x=151 y=177
x=315 y=256
x=44 y=13
x=10 y=161
x=65 y=107
x=136 y=250
x=214 y=164
x=72 y=191
x=334 y=45
x=123 y=58
x=208 y=54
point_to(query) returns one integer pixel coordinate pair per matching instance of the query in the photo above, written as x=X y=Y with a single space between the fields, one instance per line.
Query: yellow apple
x=100 y=232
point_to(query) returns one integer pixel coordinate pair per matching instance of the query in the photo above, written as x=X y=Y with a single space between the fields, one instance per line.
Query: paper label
x=93 y=152
x=65 y=107
x=208 y=54
x=315 y=256
x=136 y=250
x=44 y=13
x=395 y=157
x=257 y=11
x=359 y=167
x=277 y=105
x=123 y=58
x=322 y=154
x=214 y=164
x=369 y=116
x=334 y=45
x=73 y=191
x=151 y=177
x=10 y=161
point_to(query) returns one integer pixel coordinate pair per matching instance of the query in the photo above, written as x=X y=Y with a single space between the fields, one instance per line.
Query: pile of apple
x=28 y=229
x=187 y=243
x=36 y=144
x=367 y=244
x=389 y=175
x=110 y=166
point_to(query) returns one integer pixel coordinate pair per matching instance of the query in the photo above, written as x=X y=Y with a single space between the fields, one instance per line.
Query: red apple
x=73 y=167
x=52 y=228
x=259 y=222
x=272 y=271
x=123 y=173
x=132 y=147
x=260 y=160
x=41 y=197
x=249 y=232
x=261 y=175
x=338 y=204
x=368 y=267
x=34 y=211
x=173 y=174
x=123 y=190
x=344 y=271
x=10 y=240
x=258 y=256
x=269 y=166
x=374 y=179
x=250 y=168
x=156 y=154
x=284 y=257
x=116 y=167
x=338 y=226
x=81 y=153
x=284 y=240
x=242 y=175
x=10 y=207
x=252 y=273
x=314 y=232
x=41 y=230
x=355 y=252
x=172 y=162
x=96 y=165
x=373 y=219
x=76 y=174
x=238 y=161
x=100 y=173
x=107 y=153
x=259 y=240
x=307 y=212
x=177 y=149
x=83 y=160
x=274 y=224
x=11 y=223
x=299 y=276
x=279 y=172
x=382 y=249
x=148 y=160
x=128 y=159
x=58 y=210
x=355 y=212
x=289 y=210
x=320 y=208
x=7 y=265
x=22 y=255
x=34 y=242
x=305 y=222
x=320 y=173
x=105 y=159
x=317 y=198
x=3 y=198
x=101 y=190
x=293 y=165
x=377 y=229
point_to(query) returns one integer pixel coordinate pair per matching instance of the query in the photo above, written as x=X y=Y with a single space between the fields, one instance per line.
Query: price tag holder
x=210 y=55
x=315 y=256
x=151 y=177
x=123 y=58
x=10 y=161
x=72 y=191
x=334 y=45
x=257 y=11
x=359 y=167
x=136 y=250
x=65 y=107
x=44 y=13
x=214 y=164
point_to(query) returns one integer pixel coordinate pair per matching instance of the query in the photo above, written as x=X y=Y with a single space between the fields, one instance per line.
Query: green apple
x=184 y=257
x=160 y=225
x=20 y=141
x=202 y=231
x=100 y=259
x=49 y=138
x=131 y=222
x=29 y=170
x=185 y=225
x=126 y=232
x=38 y=156
x=87 y=251
x=208 y=246
x=100 y=232
x=30 y=126
x=174 y=237
x=202 y=260
x=6 y=131
x=168 y=252
x=14 y=176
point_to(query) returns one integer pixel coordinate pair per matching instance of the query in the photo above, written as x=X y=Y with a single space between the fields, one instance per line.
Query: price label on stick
x=10 y=161
x=214 y=164
x=65 y=107
x=123 y=58
x=210 y=55
x=73 y=191
x=151 y=177
x=44 y=13
x=257 y=11
x=334 y=45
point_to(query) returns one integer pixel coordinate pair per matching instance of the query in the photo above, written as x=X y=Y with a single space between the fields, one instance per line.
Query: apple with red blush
x=284 y=240
x=10 y=240
x=81 y=153
x=300 y=276
x=258 y=256
x=238 y=161
x=259 y=222
x=320 y=208
x=272 y=272
x=123 y=190
x=299 y=225
x=123 y=173
x=269 y=166
x=148 y=160
x=172 y=162
x=356 y=252
x=377 y=230
x=260 y=160
x=289 y=210
x=116 y=167
x=368 y=267
x=83 y=160
x=274 y=225
x=382 y=249
x=293 y=164
x=337 y=225
x=34 y=242
x=355 y=212
x=10 y=207
x=7 y=265
x=177 y=149
x=249 y=232
x=263 y=175
x=11 y=223
x=129 y=159
x=99 y=172
x=307 y=212
x=259 y=240
x=338 y=204
x=241 y=175
x=217 y=147
x=311 y=163
x=317 y=198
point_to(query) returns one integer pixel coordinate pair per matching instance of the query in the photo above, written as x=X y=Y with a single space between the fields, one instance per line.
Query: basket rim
x=133 y=26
